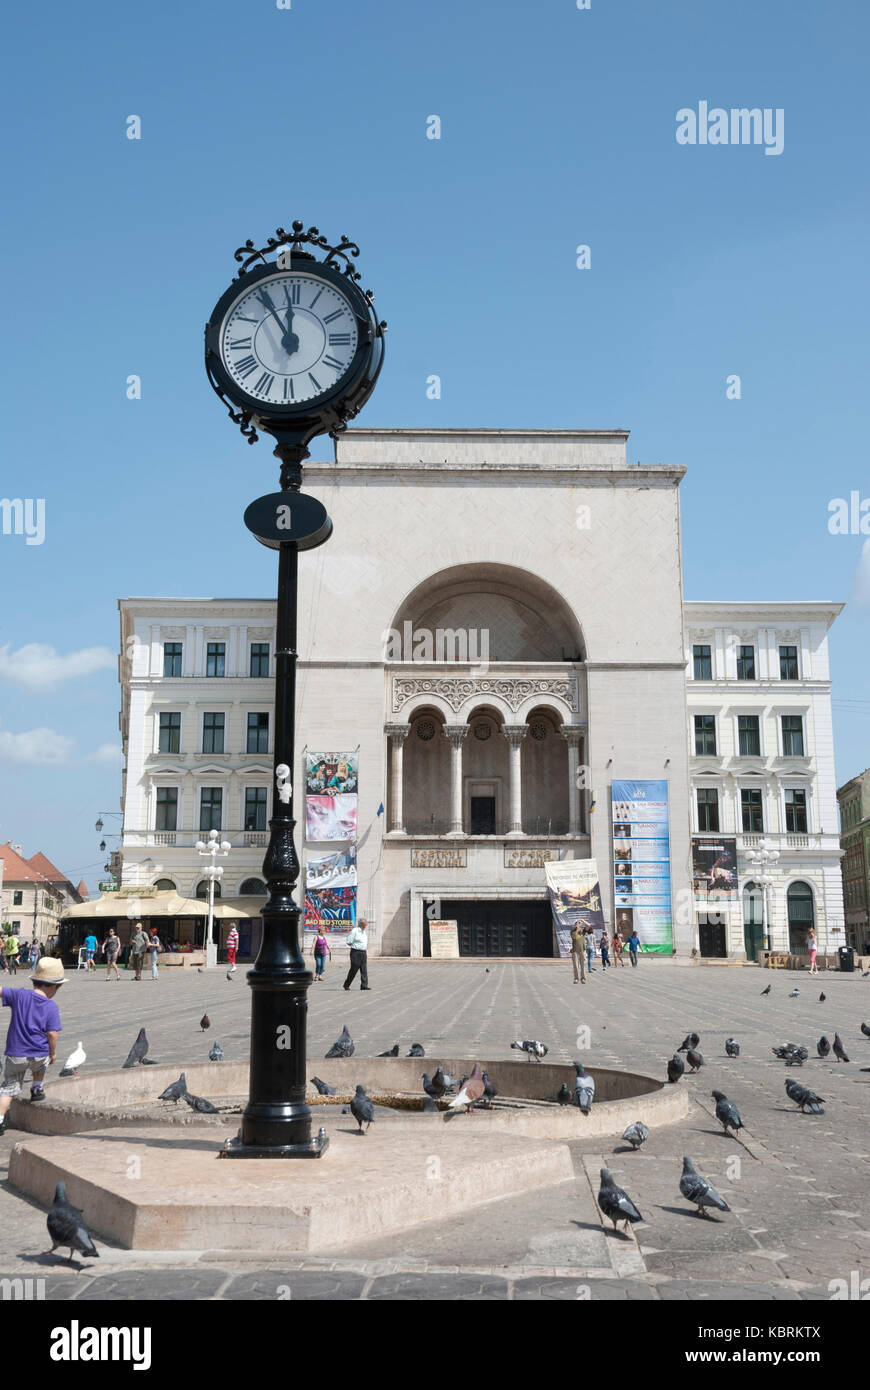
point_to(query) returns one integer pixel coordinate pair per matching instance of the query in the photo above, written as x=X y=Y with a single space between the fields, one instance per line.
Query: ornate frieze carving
x=457 y=690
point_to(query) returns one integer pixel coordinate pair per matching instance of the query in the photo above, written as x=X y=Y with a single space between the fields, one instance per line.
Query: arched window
x=165 y=885
x=253 y=888
x=202 y=888
x=801 y=916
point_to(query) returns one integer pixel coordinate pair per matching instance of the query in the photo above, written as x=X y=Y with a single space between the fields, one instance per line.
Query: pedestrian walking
x=31 y=1042
x=358 y=942
x=35 y=953
x=813 y=947
x=154 y=949
x=578 y=953
x=232 y=946
x=633 y=946
x=617 y=944
x=605 y=953
x=90 y=944
x=138 y=946
x=12 y=947
x=319 y=951
x=590 y=948
x=110 y=948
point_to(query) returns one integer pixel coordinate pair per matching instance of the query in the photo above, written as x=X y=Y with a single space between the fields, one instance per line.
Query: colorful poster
x=334 y=910
x=331 y=870
x=714 y=868
x=330 y=817
x=642 y=863
x=575 y=896
x=331 y=774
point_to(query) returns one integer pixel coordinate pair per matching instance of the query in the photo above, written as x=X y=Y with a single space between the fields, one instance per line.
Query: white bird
x=75 y=1060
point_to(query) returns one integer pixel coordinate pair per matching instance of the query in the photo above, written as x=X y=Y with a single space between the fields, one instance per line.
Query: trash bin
x=847 y=957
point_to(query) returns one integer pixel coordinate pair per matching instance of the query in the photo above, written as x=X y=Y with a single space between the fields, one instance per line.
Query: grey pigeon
x=563 y=1095
x=690 y=1040
x=694 y=1059
x=636 y=1134
x=865 y=1029
x=429 y=1106
x=795 y=992
x=176 y=1091
x=393 y=1052
x=766 y=991
x=139 y=1051
x=205 y=1022
x=343 y=1046
x=698 y=1190
x=791 y=1054
x=822 y=997
x=450 y=1081
x=216 y=1052
x=823 y=1047
x=616 y=1204
x=430 y=1087
x=322 y=1087
x=803 y=1096
x=202 y=1106
x=732 y=1047
x=417 y=1050
x=67 y=1228
x=362 y=1109
x=727 y=1113
x=438 y=1081
x=532 y=1049
x=584 y=1088
x=489 y=1090
x=839 y=1049
x=229 y=974
x=676 y=1067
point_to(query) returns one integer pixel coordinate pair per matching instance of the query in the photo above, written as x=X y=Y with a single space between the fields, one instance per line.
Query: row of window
x=211 y=805
x=752 y=810
x=749 y=735
x=215 y=658
x=213 y=733
x=249 y=887
x=48 y=903
x=850 y=812
x=702 y=660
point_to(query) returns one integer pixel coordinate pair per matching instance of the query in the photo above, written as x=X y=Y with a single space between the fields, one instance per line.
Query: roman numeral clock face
x=289 y=339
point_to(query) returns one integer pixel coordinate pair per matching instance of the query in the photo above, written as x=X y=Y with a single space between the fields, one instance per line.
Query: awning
x=134 y=906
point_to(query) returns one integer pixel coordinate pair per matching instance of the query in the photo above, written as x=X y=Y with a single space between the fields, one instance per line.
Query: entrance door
x=753 y=937
x=712 y=938
x=501 y=927
x=482 y=815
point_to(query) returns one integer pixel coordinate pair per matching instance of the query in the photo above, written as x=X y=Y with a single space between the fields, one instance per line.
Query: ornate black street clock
x=293 y=348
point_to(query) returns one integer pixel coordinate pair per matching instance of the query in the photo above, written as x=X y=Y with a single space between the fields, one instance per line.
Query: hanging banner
x=575 y=896
x=642 y=863
x=331 y=774
x=331 y=870
x=330 y=817
x=714 y=874
x=333 y=910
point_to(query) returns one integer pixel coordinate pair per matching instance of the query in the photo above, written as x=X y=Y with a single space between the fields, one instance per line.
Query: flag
x=592 y=804
x=381 y=809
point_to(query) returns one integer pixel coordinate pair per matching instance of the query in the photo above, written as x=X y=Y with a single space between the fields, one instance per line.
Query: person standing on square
x=232 y=946
x=358 y=942
x=633 y=947
x=319 y=951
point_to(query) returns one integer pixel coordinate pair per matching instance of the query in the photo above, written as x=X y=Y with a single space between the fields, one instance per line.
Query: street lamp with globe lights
x=762 y=860
x=212 y=849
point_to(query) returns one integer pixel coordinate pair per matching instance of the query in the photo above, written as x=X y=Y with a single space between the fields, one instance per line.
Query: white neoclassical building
x=497 y=629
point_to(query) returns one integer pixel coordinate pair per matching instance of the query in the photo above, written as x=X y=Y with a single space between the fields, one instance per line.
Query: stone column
x=397 y=733
x=455 y=733
x=572 y=737
x=515 y=733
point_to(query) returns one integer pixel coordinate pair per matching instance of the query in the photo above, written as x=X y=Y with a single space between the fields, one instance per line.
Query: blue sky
x=558 y=129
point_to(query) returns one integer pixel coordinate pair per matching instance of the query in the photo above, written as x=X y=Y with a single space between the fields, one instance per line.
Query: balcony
x=540 y=828
x=187 y=839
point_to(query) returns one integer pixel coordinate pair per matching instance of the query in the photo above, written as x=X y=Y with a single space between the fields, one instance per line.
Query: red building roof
x=45 y=867
x=18 y=870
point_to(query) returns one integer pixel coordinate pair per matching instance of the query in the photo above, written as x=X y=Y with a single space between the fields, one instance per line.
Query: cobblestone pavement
x=798 y=1185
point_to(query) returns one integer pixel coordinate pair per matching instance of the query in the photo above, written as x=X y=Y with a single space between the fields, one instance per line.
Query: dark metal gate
x=501 y=927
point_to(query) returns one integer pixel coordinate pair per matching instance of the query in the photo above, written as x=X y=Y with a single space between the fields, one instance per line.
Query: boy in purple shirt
x=31 y=1043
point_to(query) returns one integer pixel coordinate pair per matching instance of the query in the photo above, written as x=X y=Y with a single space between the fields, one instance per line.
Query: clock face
x=289 y=339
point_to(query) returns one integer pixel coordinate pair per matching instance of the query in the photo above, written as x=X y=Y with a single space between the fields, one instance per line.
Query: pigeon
x=695 y=1060
x=216 y=1052
x=732 y=1047
x=791 y=1054
x=429 y=1106
x=584 y=1088
x=205 y=1022
x=865 y=1029
x=489 y=1090
x=432 y=1088
x=839 y=1049
x=727 y=1113
x=822 y=997
x=616 y=1204
x=139 y=1051
x=343 y=1046
x=322 y=1087
x=698 y=1190
x=229 y=974
x=393 y=1052
x=676 y=1067
x=795 y=992
x=67 y=1228
x=563 y=1095
x=636 y=1134
x=417 y=1050
x=362 y=1109
x=438 y=1081
x=532 y=1049
x=176 y=1091
x=470 y=1092
x=766 y=991
x=450 y=1082
x=689 y=1041
x=823 y=1047
x=76 y=1059
x=203 y=1107
x=803 y=1096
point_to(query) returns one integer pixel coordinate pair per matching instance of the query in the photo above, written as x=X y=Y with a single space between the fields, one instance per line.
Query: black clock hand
x=290 y=340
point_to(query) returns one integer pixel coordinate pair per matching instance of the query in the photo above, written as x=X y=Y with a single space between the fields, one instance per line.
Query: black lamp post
x=295 y=347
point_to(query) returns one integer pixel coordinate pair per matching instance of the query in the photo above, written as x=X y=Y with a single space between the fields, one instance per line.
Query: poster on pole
x=575 y=896
x=331 y=774
x=332 y=910
x=642 y=863
x=331 y=817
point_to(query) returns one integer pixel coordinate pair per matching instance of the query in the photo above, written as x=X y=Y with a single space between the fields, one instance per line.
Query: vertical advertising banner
x=575 y=896
x=331 y=796
x=714 y=875
x=642 y=864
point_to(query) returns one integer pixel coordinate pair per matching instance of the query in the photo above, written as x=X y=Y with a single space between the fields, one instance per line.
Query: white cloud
x=35 y=746
x=862 y=577
x=106 y=753
x=37 y=665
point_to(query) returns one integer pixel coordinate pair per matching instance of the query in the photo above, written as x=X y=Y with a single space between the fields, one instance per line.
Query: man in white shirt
x=358 y=942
